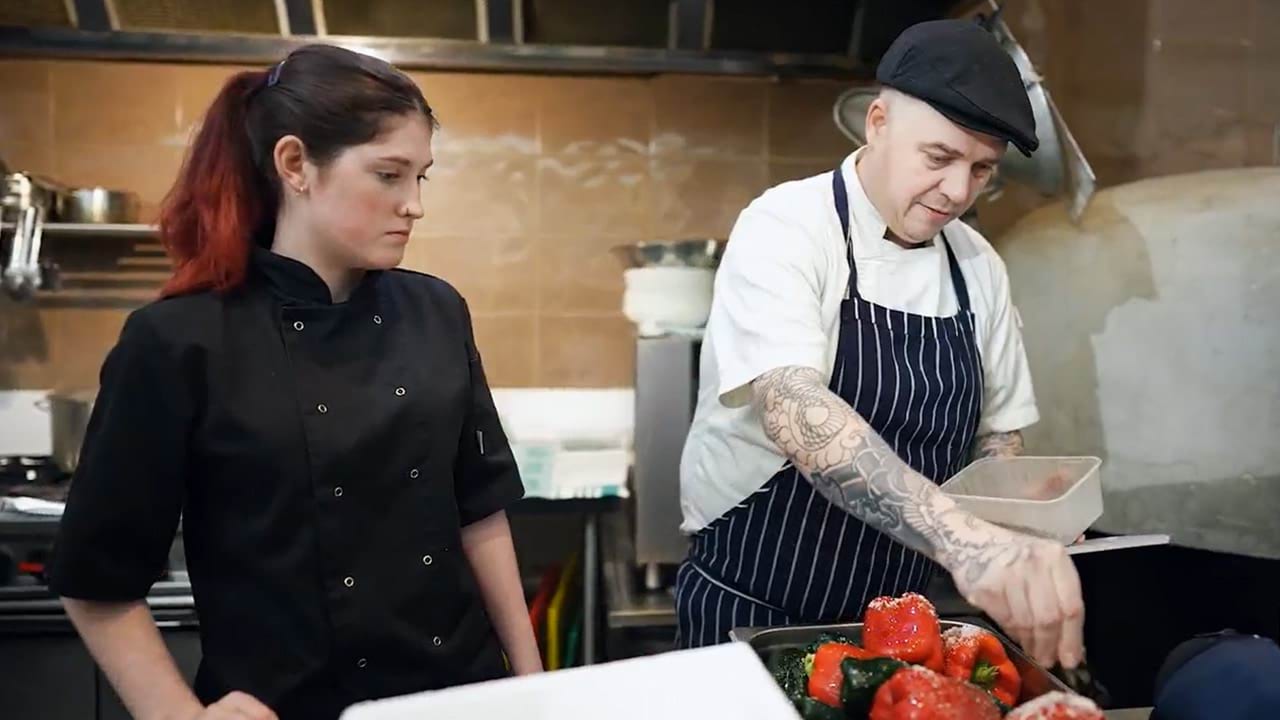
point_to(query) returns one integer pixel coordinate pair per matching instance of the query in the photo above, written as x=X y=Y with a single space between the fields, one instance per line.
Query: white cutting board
x=24 y=423
x=723 y=681
x=1117 y=542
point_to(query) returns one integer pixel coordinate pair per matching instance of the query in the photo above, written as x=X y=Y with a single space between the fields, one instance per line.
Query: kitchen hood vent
x=799 y=26
x=251 y=17
x=831 y=38
x=440 y=19
x=37 y=13
x=590 y=22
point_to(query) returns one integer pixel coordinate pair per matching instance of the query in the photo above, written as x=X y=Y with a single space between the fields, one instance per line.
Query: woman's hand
x=235 y=706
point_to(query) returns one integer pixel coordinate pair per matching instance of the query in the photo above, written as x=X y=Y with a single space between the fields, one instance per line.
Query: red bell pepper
x=917 y=693
x=826 y=678
x=904 y=628
x=1057 y=706
x=975 y=655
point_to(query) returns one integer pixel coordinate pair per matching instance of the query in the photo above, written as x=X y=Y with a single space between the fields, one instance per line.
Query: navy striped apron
x=785 y=555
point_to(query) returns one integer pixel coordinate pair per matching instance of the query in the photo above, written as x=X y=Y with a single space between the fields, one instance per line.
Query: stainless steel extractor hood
x=840 y=38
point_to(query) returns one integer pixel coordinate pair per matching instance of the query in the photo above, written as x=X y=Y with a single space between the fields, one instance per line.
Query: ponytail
x=218 y=203
x=227 y=194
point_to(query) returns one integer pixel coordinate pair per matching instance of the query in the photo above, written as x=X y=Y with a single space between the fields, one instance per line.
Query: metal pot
x=99 y=205
x=699 y=253
x=69 y=417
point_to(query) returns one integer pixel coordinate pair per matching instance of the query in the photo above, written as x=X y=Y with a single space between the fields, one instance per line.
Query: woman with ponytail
x=317 y=418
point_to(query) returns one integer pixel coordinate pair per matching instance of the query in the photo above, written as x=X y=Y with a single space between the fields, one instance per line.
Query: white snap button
x=413 y=473
x=436 y=641
x=337 y=492
x=426 y=560
x=400 y=392
x=377 y=319
x=298 y=325
x=322 y=408
x=349 y=581
x=361 y=663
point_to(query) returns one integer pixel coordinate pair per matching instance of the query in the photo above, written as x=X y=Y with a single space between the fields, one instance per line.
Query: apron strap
x=842 y=211
x=957 y=277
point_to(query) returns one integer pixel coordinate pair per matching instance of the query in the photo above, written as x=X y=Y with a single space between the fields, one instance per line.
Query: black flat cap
x=960 y=69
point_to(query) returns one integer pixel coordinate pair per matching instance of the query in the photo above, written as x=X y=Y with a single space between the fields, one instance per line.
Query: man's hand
x=1027 y=585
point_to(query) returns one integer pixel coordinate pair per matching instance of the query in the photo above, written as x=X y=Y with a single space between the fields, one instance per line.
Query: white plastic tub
x=1052 y=497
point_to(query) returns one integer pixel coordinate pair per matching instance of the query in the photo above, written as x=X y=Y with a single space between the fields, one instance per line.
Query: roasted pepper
x=1057 y=706
x=825 y=679
x=975 y=655
x=905 y=628
x=862 y=678
x=917 y=693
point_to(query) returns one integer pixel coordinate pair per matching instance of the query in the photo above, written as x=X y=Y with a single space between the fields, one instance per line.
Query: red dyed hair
x=227 y=194
x=209 y=217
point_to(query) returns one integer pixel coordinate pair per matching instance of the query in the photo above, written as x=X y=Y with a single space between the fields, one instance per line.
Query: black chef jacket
x=324 y=458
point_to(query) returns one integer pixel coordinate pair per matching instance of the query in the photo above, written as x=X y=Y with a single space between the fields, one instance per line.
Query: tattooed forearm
x=854 y=468
x=1001 y=444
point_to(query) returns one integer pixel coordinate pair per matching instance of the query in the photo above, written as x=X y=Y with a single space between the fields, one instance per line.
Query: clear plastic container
x=1051 y=497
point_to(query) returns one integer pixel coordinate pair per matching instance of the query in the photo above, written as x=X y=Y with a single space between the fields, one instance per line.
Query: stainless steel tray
x=1036 y=680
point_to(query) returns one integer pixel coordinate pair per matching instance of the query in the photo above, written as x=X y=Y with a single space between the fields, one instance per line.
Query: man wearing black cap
x=861 y=341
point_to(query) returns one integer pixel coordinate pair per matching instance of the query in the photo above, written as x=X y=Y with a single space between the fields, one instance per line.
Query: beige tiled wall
x=536 y=177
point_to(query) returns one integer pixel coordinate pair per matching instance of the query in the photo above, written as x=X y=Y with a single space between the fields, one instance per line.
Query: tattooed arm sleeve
x=1000 y=444
x=850 y=465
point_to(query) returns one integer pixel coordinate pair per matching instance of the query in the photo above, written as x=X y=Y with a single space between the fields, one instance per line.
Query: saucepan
x=69 y=413
x=99 y=205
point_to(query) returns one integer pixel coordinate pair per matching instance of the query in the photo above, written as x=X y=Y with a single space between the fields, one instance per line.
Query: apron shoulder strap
x=957 y=277
x=842 y=211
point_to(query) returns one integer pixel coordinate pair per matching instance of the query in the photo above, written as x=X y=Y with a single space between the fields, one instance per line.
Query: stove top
x=26 y=540
x=37 y=477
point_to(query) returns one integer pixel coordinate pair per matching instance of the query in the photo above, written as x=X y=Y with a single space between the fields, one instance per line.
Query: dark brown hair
x=227 y=192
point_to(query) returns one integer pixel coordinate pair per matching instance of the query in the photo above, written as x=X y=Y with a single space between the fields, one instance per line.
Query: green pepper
x=787 y=668
x=825 y=638
x=811 y=709
x=862 y=678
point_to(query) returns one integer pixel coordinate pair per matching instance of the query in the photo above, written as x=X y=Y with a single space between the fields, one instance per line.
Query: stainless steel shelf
x=94 y=230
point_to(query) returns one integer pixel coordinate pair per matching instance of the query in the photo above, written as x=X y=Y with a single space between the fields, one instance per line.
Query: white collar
x=866 y=226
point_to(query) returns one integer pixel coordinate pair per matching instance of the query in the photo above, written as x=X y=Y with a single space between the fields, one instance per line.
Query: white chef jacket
x=777 y=302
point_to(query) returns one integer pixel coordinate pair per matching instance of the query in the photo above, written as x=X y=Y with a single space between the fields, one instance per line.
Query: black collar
x=295 y=281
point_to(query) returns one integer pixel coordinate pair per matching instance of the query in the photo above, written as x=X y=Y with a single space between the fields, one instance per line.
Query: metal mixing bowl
x=700 y=253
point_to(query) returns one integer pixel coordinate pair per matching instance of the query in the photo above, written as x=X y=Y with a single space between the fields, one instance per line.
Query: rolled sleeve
x=1009 y=401
x=766 y=309
x=486 y=479
x=127 y=491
